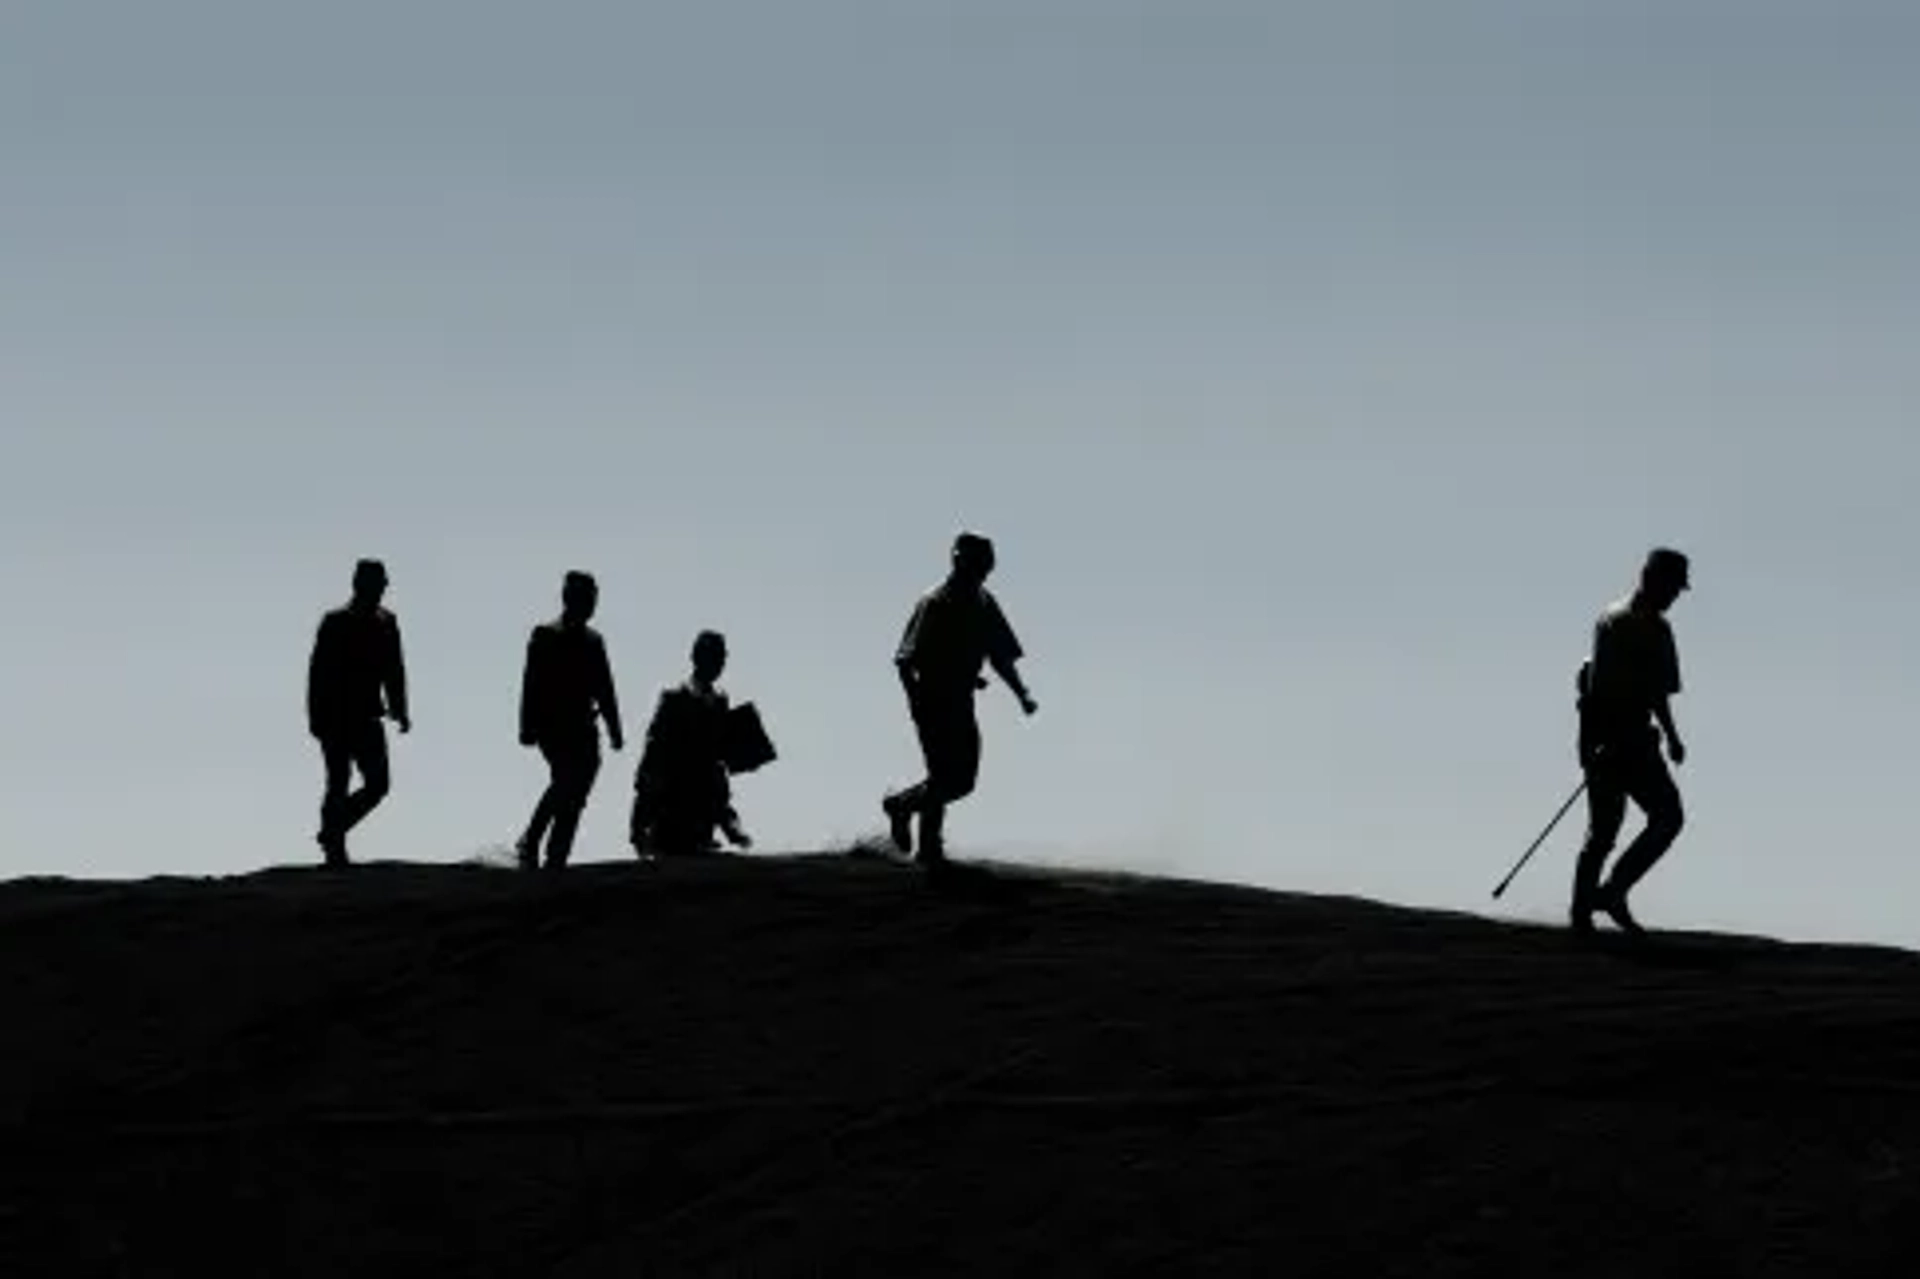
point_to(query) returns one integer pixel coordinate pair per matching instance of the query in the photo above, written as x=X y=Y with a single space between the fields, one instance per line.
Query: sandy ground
x=829 y=1066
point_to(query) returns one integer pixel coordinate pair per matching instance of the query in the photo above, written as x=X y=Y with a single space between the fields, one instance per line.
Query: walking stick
x=1535 y=847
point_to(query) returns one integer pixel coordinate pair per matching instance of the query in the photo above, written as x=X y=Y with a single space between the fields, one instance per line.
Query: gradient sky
x=1321 y=371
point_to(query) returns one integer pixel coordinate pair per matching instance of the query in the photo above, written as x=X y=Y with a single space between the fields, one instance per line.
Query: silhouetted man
x=356 y=677
x=566 y=685
x=681 y=789
x=953 y=629
x=1632 y=673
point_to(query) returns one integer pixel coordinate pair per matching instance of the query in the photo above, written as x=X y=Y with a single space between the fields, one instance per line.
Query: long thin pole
x=1527 y=856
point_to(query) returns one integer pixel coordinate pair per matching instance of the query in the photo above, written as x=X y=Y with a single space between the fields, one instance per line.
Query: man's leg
x=1606 y=809
x=528 y=845
x=573 y=781
x=336 y=754
x=901 y=805
x=1652 y=789
x=370 y=755
x=953 y=768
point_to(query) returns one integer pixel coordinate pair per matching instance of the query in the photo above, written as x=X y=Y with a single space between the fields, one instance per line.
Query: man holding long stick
x=1625 y=712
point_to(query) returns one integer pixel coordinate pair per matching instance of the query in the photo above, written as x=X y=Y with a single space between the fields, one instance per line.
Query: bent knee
x=1668 y=820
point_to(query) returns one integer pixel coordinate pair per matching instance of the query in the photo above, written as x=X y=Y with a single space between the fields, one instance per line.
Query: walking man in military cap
x=954 y=629
x=1625 y=713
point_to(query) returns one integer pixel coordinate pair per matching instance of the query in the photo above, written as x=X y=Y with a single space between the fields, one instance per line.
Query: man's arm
x=1005 y=667
x=319 y=674
x=729 y=816
x=906 y=657
x=730 y=827
x=608 y=699
x=530 y=673
x=1004 y=654
x=1663 y=698
x=1663 y=711
x=396 y=678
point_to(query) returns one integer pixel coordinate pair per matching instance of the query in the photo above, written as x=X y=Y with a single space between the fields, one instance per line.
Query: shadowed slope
x=823 y=1065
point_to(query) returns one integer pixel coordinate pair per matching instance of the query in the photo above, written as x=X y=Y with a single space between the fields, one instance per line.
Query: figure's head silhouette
x=973 y=558
x=369 y=583
x=1664 y=577
x=579 y=596
x=709 y=656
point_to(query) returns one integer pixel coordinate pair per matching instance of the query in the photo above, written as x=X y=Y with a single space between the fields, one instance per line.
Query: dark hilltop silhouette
x=834 y=1066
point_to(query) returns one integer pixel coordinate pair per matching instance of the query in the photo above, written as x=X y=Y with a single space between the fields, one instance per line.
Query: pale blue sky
x=1320 y=370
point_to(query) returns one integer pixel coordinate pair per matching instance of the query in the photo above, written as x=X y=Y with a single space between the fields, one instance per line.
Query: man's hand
x=736 y=836
x=1676 y=749
x=1027 y=703
x=615 y=740
x=404 y=723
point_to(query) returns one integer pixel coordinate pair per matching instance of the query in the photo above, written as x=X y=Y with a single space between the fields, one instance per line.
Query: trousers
x=573 y=764
x=949 y=733
x=1626 y=770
